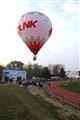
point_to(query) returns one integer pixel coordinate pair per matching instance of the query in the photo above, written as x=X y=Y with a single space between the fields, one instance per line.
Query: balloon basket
x=34 y=58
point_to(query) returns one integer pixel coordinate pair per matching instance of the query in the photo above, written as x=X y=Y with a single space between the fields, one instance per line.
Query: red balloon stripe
x=34 y=46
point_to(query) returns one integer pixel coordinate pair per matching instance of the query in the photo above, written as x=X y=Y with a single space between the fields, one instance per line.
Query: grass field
x=16 y=103
x=74 y=86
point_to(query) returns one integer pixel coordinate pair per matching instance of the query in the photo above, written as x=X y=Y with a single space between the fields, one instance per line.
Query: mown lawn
x=74 y=86
x=17 y=103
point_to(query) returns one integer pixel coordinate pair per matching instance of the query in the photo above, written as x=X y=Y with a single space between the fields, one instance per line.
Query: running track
x=65 y=95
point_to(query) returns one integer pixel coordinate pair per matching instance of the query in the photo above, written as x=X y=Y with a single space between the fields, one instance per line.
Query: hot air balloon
x=34 y=28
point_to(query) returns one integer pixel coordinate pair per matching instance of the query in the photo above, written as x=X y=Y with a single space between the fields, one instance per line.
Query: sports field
x=66 y=91
x=72 y=86
x=17 y=103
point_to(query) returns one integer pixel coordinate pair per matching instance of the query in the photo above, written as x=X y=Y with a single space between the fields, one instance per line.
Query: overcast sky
x=63 y=45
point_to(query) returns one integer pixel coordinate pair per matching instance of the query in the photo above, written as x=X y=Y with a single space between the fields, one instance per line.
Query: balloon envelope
x=34 y=28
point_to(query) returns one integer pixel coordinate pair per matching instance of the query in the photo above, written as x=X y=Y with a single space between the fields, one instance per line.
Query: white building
x=72 y=74
x=14 y=75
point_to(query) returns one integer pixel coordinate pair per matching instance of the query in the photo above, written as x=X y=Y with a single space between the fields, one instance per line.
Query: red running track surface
x=65 y=95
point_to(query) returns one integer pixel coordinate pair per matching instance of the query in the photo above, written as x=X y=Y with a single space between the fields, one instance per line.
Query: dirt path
x=40 y=92
x=64 y=110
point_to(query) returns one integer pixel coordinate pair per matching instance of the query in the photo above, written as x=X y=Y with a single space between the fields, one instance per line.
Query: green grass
x=75 y=87
x=17 y=103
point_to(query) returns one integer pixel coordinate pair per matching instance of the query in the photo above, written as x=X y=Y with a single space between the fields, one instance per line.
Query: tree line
x=36 y=70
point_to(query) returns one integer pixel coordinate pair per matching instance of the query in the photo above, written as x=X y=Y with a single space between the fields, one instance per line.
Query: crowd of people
x=26 y=83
